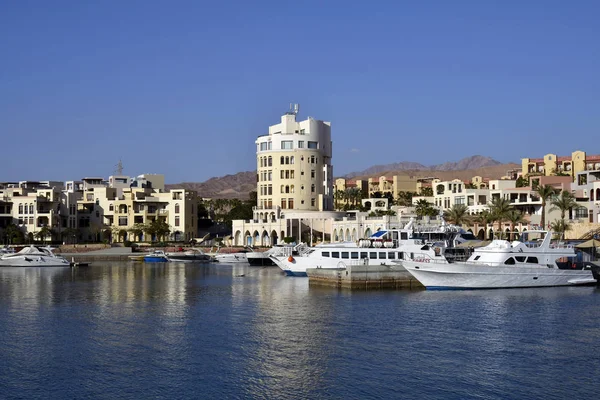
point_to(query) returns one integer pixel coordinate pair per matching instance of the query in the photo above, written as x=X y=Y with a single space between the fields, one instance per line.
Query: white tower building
x=293 y=164
x=294 y=183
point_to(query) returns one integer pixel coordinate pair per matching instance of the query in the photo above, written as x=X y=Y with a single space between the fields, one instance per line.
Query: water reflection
x=235 y=331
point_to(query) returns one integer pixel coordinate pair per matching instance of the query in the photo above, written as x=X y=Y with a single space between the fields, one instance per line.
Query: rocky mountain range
x=241 y=184
x=473 y=162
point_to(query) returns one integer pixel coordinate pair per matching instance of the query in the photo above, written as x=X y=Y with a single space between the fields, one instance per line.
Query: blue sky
x=185 y=87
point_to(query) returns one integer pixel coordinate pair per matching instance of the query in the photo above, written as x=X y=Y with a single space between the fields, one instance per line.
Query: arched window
x=291 y=159
x=287 y=189
x=270 y=163
x=31 y=209
x=176 y=208
x=312 y=188
x=281 y=162
x=282 y=188
x=292 y=189
x=287 y=160
x=21 y=208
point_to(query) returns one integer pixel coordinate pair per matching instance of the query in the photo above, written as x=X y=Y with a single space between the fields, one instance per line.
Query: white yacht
x=189 y=255
x=32 y=256
x=504 y=264
x=228 y=258
x=384 y=247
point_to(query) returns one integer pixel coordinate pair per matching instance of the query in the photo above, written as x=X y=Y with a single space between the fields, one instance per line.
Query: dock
x=364 y=277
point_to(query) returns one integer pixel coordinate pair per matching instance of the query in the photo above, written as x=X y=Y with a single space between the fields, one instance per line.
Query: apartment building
x=294 y=182
x=95 y=209
x=552 y=164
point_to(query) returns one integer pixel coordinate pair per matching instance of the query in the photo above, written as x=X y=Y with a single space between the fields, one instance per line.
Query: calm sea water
x=154 y=331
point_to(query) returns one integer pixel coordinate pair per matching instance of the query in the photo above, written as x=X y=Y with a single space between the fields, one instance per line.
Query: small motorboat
x=156 y=256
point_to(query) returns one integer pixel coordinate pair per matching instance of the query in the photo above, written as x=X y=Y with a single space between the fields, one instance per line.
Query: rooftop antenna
x=119 y=168
x=294 y=109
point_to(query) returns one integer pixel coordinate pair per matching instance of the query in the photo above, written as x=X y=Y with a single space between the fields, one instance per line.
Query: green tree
x=405 y=198
x=69 y=235
x=137 y=230
x=43 y=233
x=522 y=182
x=515 y=217
x=563 y=202
x=560 y=226
x=424 y=208
x=499 y=209
x=484 y=218
x=338 y=197
x=545 y=192
x=13 y=234
x=426 y=191
x=457 y=215
x=161 y=228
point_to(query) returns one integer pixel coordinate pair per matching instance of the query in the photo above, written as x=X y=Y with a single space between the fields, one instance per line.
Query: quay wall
x=363 y=277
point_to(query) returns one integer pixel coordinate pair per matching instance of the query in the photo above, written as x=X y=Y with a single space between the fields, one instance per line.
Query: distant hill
x=239 y=185
x=468 y=163
x=236 y=186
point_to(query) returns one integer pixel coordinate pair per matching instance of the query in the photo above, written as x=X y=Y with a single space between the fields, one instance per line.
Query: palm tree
x=43 y=233
x=560 y=227
x=457 y=215
x=338 y=196
x=484 y=218
x=563 y=202
x=514 y=217
x=545 y=192
x=499 y=209
x=423 y=208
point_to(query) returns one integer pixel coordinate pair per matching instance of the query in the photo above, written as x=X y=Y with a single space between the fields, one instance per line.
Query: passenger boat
x=505 y=264
x=384 y=247
x=156 y=256
x=32 y=256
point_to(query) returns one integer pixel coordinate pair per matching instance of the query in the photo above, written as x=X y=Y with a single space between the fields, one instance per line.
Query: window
x=313 y=145
x=302 y=131
x=325 y=254
x=269 y=190
x=404 y=235
x=176 y=208
x=312 y=173
x=364 y=254
x=31 y=209
x=510 y=261
x=177 y=221
x=354 y=255
x=373 y=255
x=382 y=255
x=20 y=208
x=345 y=254
x=287 y=145
x=301 y=144
x=122 y=221
x=391 y=255
x=476 y=258
x=264 y=146
x=519 y=259
x=270 y=161
x=291 y=159
x=312 y=202
x=312 y=188
x=283 y=203
x=335 y=254
x=532 y=260
x=290 y=203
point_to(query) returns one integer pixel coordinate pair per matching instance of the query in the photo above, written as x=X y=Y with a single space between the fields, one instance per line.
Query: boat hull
x=155 y=259
x=260 y=261
x=35 y=262
x=231 y=258
x=474 y=276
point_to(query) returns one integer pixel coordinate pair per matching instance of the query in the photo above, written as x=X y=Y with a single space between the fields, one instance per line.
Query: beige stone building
x=551 y=164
